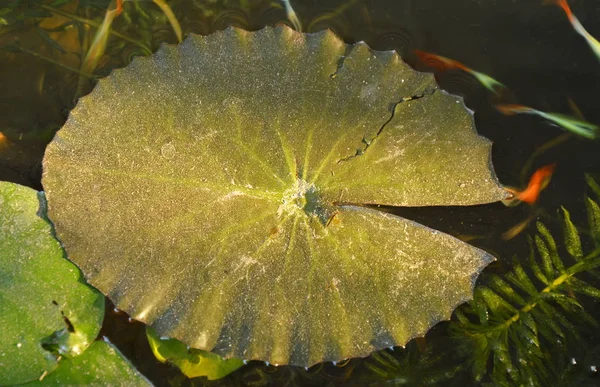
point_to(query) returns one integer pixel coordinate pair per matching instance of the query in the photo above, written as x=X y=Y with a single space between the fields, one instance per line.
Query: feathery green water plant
x=519 y=320
x=413 y=365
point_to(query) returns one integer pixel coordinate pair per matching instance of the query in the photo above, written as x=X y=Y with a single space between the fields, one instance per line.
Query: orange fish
x=442 y=64
x=572 y=124
x=4 y=141
x=539 y=180
x=512 y=109
x=591 y=41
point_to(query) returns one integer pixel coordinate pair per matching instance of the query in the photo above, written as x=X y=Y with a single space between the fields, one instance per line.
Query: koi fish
x=591 y=41
x=291 y=14
x=572 y=124
x=442 y=64
x=538 y=181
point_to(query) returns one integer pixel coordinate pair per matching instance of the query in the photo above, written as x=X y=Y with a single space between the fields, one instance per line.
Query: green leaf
x=571 y=236
x=496 y=303
x=591 y=262
x=461 y=317
x=58 y=3
x=46 y=309
x=544 y=253
x=530 y=327
x=481 y=356
x=100 y=365
x=51 y=42
x=547 y=327
x=552 y=251
x=192 y=362
x=558 y=317
x=582 y=287
x=519 y=278
x=3 y=12
x=593 y=212
x=226 y=192
x=534 y=266
x=593 y=184
x=505 y=291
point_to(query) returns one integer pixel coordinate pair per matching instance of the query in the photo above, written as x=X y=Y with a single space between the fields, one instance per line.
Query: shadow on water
x=528 y=47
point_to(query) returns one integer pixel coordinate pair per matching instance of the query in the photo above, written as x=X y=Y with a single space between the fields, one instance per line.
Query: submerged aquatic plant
x=225 y=191
x=519 y=324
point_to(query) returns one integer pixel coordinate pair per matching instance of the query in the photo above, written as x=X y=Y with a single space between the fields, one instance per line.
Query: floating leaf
x=220 y=192
x=192 y=362
x=45 y=308
x=100 y=365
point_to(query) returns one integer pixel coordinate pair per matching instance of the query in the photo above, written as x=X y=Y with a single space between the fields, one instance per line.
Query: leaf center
x=303 y=200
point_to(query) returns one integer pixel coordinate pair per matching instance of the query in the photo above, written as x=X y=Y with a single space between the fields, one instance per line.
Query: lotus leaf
x=46 y=309
x=225 y=191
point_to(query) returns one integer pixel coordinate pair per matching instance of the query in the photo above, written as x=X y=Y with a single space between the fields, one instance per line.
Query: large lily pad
x=46 y=310
x=217 y=191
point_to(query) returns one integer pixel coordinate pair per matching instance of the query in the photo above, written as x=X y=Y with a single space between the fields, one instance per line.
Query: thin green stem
x=97 y=25
x=47 y=59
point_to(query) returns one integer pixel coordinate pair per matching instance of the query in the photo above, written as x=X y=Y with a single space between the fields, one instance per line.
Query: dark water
x=530 y=48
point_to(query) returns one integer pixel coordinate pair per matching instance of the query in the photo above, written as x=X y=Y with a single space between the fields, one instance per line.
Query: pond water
x=529 y=47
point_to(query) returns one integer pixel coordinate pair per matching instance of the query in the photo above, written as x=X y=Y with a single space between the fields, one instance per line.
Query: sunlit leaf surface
x=192 y=362
x=46 y=309
x=216 y=191
x=100 y=365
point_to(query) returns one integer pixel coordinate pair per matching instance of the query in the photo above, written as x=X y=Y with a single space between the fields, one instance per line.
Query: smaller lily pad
x=101 y=364
x=46 y=308
x=192 y=362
